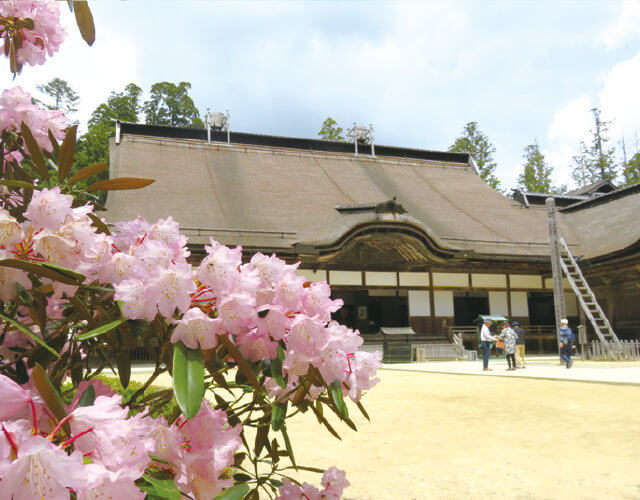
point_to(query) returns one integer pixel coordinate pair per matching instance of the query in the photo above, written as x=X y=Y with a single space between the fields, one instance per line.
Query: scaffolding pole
x=556 y=267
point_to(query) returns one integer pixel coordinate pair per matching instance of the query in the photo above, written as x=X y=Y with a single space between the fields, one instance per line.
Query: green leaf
x=363 y=411
x=120 y=183
x=243 y=366
x=336 y=396
x=158 y=485
x=287 y=443
x=100 y=330
x=188 y=378
x=29 y=333
x=18 y=184
x=123 y=362
x=90 y=171
x=67 y=151
x=236 y=492
x=49 y=394
x=34 y=151
x=99 y=224
x=276 y=371
x=88 y=396
x=278 y=414
x=55 y=273
x=84 y=20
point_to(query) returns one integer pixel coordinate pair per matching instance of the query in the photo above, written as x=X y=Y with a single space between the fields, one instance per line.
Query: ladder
x=587 y=299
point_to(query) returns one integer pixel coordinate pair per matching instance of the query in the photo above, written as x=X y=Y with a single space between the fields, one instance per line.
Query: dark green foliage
x=475 y=142
x=64 y=97
x=536 y=173
x=330 y=132
x=170 y=104
x=595 y=161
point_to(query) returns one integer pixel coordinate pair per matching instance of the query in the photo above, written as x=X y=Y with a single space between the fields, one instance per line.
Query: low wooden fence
x=627 y=350
x=540 y=338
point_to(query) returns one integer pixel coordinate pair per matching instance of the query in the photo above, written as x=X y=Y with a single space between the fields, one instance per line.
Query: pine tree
x=330 y=132
x=596 y=161
x=536 y=174
x=476 y=143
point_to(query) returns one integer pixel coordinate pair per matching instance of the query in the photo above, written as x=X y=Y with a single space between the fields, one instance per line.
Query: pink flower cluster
x=47 y=33
x=260 y=305
x=17 y=108
x=334 y=481
x=107 y=451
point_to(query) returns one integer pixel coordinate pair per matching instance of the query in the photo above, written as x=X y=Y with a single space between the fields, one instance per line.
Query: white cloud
x=93 y=72
x=620 y=99
x=569 y=126
x=625 y=28
x=619 y=102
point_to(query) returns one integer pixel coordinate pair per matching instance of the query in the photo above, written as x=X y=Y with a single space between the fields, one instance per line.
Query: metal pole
x=355 y=137
x=373 y=146
x=228 y=129
x=556 y=268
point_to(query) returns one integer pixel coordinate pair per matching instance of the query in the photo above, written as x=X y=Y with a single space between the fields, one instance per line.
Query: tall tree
x=596 y=160
x=330 y=132
x=93 y=147
x=64 y=97
x=475 y=142
x=631 y=170
x=170 y=104
x=536 y=173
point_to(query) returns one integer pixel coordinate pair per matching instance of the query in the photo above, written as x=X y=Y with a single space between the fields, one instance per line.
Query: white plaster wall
x=419 y=303
x=498 y=304
x=414 y=279
x=380 y=278
x=345 y=278
x=443 y=301
x=312 y=276
x=525 y=281
x=489 y=280
x=451 y=279
x=571 y=303
x=548 y=283
x=519 y=304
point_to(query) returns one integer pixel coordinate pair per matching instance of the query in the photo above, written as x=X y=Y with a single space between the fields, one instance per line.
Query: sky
x=525 y=71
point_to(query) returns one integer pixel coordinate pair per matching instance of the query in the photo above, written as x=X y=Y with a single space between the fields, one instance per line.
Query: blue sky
x=419 y=71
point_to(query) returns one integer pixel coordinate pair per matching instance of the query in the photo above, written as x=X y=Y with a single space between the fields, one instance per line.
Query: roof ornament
x=360 y=134
x=215 y=120
x=390 y=206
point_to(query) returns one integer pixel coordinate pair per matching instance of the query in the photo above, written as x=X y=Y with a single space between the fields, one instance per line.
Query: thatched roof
x=282 y=199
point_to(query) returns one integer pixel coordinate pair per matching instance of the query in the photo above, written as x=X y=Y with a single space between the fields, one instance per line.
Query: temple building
x=405 y=237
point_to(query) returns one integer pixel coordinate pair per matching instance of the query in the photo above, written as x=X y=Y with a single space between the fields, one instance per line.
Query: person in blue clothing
x=566 y=341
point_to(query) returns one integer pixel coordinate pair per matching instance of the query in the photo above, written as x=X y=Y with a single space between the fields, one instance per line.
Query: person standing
x=508 y=336
x=566 y=341
x=520 y=362
x=486 y=337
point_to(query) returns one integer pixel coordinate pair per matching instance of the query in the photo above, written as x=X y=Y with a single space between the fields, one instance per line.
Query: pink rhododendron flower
x=171 y=288
x=49 y=208
x=219 y=270
x=237 y=312
x=17 y=107
x=317 y=301
x=333 y=480
x=47 y=34
x=13 y=398
x=42 y=471
x=9 y=277
x=196 y=329
x=212 y=445
x=104 y=484
x=135 y=304
x=10 y=231
x=289 y=290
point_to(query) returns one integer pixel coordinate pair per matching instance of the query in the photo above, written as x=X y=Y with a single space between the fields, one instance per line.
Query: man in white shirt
x=486 y=337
